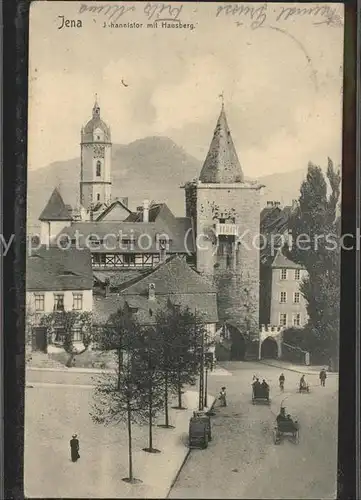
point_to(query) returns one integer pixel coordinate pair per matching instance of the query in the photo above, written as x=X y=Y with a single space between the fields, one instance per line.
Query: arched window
x=99 y=169
x=98 y=196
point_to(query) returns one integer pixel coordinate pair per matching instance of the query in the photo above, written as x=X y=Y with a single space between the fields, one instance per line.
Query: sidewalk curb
x=175 y=479
x=306 y=371
x=69 y=370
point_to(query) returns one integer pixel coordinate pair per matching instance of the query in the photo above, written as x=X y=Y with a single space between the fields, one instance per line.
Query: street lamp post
x=201 y=375
x=206 y=387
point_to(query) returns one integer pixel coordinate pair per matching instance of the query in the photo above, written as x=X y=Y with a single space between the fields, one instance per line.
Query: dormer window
x=94 y=240
x=99 y=169
x=98 y=137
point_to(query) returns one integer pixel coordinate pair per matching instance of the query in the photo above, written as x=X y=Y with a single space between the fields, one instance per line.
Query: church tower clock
x=95 y=173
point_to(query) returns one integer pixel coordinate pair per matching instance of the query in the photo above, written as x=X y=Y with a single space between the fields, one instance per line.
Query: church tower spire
x=96 y=108
x=96 y=147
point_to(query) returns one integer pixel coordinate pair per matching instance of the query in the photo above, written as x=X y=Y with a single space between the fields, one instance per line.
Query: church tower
x=225 y=210
x=96 y=151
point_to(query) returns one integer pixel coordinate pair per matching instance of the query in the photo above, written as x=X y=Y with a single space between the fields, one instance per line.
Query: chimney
x=151 y=291
x=146 y=211
x=269 y=203
x=277 y=203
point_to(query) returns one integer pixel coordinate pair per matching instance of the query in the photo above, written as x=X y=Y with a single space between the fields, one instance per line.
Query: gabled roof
x=118 y=279
x=175 y=283
x=143 y=234
x=222 y=163
x=56 y=209
x=56 y=269
x=109 y=208
x=282 y=262
x=174 y=277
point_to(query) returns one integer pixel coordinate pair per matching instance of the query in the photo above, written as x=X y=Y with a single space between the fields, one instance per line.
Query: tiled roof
x=174 y=281
x=205 y=305
x=119 y=278
x=222 y=163
x=173 y=277
x=56 y=209
x=179 y=234
x=281 y=261
x=51 y=268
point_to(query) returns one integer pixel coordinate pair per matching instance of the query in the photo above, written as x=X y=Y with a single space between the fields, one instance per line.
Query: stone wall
x=191 y=200
x=237 y=281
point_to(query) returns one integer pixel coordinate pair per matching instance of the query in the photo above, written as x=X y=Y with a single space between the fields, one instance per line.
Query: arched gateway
x=270 y=342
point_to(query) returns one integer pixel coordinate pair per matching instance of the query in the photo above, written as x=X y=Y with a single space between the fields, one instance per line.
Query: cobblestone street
x=243 y=462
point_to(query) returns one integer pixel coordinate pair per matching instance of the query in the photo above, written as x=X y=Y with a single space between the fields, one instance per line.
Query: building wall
x=236 y=274
x=265 y=294
x=90 y=184
x=49 y=230
x=290 y=286
x=49 y=300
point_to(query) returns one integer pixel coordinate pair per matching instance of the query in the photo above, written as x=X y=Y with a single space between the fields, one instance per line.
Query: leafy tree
x=315 y=232
x=65 y=323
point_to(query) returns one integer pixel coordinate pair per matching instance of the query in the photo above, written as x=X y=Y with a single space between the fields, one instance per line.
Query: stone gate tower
x=225 y=210
x=95 y=172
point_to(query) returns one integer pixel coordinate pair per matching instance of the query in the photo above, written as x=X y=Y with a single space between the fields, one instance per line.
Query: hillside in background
x=152 y=168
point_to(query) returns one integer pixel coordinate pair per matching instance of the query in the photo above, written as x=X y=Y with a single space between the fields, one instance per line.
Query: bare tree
x=119 y=397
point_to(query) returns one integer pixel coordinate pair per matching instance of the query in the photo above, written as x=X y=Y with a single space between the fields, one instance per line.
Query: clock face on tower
x=99 y=151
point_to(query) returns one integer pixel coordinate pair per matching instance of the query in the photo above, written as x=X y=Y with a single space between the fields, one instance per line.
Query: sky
x=282 y=82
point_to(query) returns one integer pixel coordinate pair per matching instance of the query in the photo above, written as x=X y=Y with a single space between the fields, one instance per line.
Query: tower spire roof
x=222 y=164
x=96 y=108
x=55 y=209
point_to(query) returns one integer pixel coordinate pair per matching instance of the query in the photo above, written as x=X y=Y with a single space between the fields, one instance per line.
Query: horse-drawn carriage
x=260 y=394
x=200 y=432
x=304 y=388
x=286 y=427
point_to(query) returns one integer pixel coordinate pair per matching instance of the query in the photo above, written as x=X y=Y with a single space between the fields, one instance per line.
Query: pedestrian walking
x=74 y=448
x=323 y=376
x=223 y=397
x=282 y=382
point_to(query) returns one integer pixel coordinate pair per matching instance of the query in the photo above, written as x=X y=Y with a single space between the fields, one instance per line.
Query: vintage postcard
x=183 y=257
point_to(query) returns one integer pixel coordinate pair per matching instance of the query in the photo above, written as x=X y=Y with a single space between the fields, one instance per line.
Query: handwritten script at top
x=152 y=11
x=257 y=16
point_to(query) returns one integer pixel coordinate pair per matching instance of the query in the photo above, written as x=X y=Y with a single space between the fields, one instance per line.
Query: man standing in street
x=323 y=376
x=222 y=397
x=74 y=448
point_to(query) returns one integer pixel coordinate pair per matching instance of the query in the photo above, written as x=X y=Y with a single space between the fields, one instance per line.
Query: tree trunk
x=70 y=361
x=150 y=416
x=130 y=440
x=180 y=395
x=119 y=367
x=166 y=398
